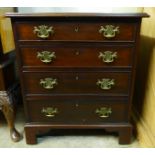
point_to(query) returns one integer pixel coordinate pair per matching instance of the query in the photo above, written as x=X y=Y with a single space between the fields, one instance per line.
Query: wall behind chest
x=6 y=34
x=145 y=83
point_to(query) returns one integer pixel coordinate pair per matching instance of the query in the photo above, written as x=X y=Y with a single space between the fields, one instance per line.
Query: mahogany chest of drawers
x=77 y=70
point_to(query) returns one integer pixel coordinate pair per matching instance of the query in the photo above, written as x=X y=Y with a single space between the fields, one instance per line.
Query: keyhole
x=77 y=78
x=76 y=29
x=83 y=120
x=77 y=52
x=76 y=104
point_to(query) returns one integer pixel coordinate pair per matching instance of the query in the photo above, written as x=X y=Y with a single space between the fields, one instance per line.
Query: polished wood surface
x=77 y=68
x=80 y=111
x=77 y=55
x=77 y=83
x=86 y=31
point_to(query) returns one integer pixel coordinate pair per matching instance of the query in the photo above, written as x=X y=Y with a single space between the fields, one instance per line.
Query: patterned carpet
x=89 y=140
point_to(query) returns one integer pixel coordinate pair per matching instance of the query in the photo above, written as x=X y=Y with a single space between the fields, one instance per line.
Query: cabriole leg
x=8 y=112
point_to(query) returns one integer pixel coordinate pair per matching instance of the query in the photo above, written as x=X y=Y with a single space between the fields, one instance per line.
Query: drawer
x=77 y=55
x=103 y=83
x=77 y=111
x=84 y=30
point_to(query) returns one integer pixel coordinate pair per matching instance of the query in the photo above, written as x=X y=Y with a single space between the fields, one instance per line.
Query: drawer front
x=74 y=111
x=61 y=55
x=103 y=83
x=101 y=31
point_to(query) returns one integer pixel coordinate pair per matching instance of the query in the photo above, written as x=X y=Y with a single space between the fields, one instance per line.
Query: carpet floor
x=73 y=139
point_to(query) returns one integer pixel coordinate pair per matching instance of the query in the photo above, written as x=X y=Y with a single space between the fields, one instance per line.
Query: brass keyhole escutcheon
x=77 y=78
x=76 y=29
x=77 y=53
x=76 y=105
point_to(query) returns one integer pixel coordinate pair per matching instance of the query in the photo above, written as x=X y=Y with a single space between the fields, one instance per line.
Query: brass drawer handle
x=49 y=111
x=46 y=56
x=109 y=31
x=103 y=112
x=48 y=83
x=43 y=31
x=107 y=56
x=105 y=84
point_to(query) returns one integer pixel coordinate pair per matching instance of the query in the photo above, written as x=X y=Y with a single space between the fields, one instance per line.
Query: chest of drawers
x=77 y=70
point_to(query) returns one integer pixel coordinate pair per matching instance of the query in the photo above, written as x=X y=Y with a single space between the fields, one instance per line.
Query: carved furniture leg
x=8 y=111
